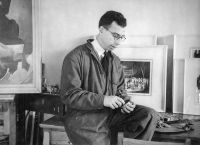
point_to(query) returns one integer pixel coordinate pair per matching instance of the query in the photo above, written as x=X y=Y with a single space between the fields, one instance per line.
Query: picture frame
x=23 y=74
x=156 y=56
x=191 y=94
x=195 y=52
x=138 y=74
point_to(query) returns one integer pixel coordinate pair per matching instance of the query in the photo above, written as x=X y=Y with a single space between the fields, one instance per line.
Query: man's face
x=112 y=36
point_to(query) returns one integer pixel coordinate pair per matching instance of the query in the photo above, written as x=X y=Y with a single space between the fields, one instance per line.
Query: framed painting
x=137 y=76
x=145 y=71
x=195 y=52
x=20 y=47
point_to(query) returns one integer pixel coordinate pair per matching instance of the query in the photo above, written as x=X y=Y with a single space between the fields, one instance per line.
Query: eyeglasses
x=116 y=35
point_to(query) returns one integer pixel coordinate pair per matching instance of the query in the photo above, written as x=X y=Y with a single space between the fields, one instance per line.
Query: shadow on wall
x=53 y=68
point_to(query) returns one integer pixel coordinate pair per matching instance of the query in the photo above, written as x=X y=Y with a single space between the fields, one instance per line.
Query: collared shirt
x=100 y=51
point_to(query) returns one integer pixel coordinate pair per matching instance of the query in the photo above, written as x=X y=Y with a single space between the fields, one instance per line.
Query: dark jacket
x=82 y=85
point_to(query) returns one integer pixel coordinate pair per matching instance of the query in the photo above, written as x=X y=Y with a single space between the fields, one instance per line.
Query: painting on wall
x=195 y=52
x=137 y=76
x=20 y=51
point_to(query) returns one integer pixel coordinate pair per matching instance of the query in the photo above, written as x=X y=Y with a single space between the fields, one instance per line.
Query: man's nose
x=118 y=42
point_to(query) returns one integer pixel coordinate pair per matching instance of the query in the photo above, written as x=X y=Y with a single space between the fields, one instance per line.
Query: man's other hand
x=128 y=107
x=113 y=102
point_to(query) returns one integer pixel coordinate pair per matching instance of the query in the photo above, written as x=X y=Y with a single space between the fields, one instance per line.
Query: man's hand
x=128 y=107
x=113 y=102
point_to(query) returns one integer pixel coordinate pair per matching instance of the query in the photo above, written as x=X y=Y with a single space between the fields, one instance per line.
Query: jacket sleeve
x=71 y=92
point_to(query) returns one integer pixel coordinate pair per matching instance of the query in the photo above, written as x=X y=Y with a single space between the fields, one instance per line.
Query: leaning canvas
x=145 y=74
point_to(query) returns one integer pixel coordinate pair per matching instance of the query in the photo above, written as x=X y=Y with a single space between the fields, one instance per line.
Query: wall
x=67 y=23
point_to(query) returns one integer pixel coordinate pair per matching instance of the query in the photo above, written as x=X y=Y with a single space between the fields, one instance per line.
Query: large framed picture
x=20 y=47
x=137 y=76
x=145 y=70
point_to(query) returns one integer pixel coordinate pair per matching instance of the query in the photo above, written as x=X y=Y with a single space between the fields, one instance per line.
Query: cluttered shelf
x=42 y=102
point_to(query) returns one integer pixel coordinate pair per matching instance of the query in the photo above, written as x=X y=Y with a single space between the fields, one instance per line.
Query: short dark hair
x=112 y=16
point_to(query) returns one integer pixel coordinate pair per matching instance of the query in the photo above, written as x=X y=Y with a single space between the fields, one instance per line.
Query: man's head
x=111 y=30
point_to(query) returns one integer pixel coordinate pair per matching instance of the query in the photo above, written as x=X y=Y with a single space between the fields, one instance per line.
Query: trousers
x=139 y=124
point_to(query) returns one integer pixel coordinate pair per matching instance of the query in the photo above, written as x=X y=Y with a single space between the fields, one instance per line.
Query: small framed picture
x=137 y=76
x=195 y=52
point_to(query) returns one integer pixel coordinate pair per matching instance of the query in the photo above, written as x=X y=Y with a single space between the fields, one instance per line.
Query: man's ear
x=101 y=29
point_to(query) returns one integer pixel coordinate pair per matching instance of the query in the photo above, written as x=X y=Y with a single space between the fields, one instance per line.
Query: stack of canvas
x=186 y=69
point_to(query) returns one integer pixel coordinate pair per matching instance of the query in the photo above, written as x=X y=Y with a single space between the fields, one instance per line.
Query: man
x=92 y=88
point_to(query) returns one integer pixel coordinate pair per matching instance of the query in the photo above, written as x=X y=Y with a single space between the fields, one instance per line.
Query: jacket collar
x=92 y=50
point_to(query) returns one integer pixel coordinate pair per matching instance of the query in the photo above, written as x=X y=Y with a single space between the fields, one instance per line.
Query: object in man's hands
x=122 y=95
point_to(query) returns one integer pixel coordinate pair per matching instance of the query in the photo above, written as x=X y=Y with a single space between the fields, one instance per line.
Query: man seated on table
x=92 y=87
